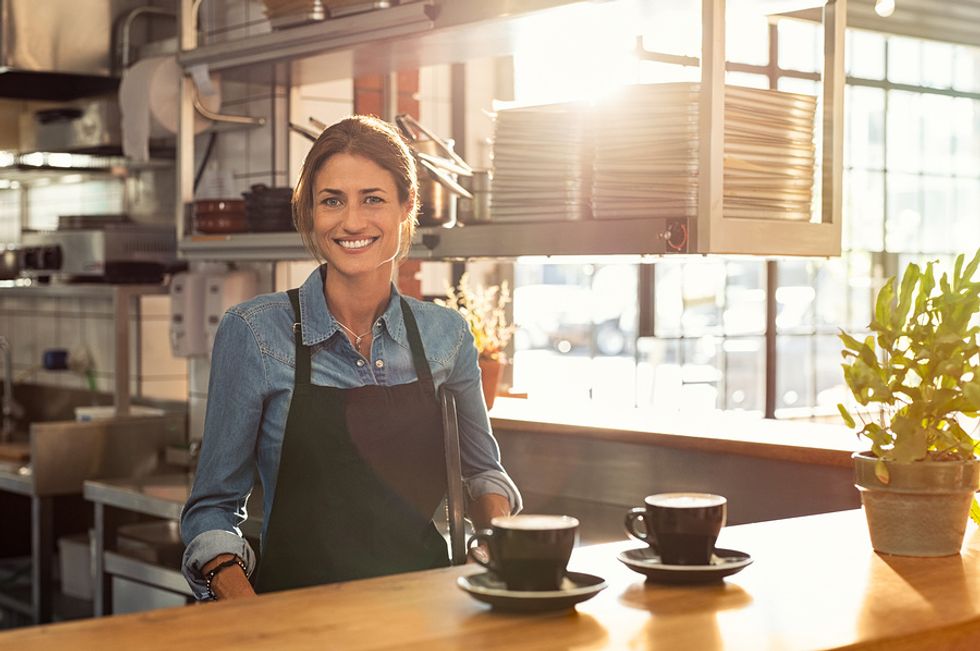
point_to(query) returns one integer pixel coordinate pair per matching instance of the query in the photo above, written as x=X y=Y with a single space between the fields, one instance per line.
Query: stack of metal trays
x=646 y=153
x=541 y=163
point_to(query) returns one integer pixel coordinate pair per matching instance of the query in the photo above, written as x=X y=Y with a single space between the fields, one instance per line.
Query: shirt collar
x=320 y=325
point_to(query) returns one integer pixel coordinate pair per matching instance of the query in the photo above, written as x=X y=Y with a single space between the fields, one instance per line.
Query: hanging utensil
x=438 y=187
x=411 y=129
x=303 y=131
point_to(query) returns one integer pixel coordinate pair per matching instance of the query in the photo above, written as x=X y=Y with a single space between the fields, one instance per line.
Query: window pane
x=794 y=379
x=966 y=74
x=966 y=204
x=864 y=210
x=831 y=388
x=703 y=292
x=830 y=280
x=745 y=298
x=937 y=133
x=800 y=45
x=802 y=86
x=747 y=38
x=965 y=118
x=668 y=299
x=684 y=34
x=904 y=60
x=903 y=225
x=904 y=131
x=745 y=373
x=659 y=374
x=795 y=295
x=937 y=215
x=861 y=289
x=864 y=127
x=937 y=64
x=864 y=54
x=701 y=375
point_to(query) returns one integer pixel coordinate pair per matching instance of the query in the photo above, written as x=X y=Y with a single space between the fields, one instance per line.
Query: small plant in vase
x=485 y=311
x=920 y=370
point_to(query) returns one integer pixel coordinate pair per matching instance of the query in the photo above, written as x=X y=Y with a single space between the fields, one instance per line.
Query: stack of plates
x=288 y=13
x=541 y=164
x=646 y=153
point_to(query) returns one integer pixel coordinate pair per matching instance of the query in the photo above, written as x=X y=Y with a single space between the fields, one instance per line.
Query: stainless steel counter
x=161 y=496
x=16 y=478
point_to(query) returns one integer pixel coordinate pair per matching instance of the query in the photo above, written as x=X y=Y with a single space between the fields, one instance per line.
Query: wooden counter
x=729 y=432
x=815 y=584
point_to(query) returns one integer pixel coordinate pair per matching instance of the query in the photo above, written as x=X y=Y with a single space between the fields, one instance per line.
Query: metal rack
x=439 y=32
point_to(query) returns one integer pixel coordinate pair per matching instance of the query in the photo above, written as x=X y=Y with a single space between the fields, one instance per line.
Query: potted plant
x=484 y=309
x=920 y=369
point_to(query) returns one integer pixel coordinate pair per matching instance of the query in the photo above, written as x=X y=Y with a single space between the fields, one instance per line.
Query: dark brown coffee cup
x=680 y=527
x=528 y=552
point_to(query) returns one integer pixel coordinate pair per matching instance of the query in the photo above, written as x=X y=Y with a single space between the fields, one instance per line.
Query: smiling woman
x=330 y=391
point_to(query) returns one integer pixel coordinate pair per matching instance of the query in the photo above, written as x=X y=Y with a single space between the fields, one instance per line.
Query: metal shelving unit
x=441 y=31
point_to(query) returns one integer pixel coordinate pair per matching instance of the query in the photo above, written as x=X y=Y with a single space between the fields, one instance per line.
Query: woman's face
x=357 y=218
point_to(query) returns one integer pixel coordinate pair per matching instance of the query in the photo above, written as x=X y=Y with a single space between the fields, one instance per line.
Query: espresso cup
x=680 y=527
x=528 y=552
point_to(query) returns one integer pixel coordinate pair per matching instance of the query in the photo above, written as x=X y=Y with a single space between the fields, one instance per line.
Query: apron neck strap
x=418 y=351
x=303 y=366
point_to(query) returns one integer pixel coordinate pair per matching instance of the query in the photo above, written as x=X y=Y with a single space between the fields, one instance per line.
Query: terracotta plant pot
x=922 y=510
x=491 y=371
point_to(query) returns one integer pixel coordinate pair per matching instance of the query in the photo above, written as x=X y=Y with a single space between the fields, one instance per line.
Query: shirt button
x=380 y=363
x=378 y=324
x=360 y=362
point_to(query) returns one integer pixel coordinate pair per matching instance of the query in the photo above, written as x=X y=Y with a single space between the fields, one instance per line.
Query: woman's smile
x=356 y=245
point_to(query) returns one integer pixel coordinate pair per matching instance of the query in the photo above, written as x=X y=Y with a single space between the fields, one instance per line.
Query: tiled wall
x=34 y=324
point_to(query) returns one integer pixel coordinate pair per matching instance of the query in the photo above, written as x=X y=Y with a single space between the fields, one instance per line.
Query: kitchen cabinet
x=440 y=32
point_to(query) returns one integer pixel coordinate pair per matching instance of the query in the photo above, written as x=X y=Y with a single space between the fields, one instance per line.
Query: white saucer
x=488 y=588
x=724 y=562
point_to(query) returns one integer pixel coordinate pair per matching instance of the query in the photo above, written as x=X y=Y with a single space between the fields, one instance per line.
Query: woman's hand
x=229 y=583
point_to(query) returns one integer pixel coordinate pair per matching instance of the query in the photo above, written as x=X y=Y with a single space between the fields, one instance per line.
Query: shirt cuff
x=497 y=483
x=204 y=548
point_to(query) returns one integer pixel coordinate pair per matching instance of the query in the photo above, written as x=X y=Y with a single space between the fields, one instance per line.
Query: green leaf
x=883 y=304
x=971 y=392
x=909 y=280
x=848 y=420
x=881 y=472
x=972 y=267
x=849 y=342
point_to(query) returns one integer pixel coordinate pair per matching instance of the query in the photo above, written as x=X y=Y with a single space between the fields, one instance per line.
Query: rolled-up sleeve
x=211 y=519
x=479 y=454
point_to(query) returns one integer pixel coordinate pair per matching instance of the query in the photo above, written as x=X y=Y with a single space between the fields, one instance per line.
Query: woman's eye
x=331 y=202
x=373 y=200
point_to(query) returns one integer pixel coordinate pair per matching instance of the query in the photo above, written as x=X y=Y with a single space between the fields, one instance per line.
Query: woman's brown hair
x=374 y=139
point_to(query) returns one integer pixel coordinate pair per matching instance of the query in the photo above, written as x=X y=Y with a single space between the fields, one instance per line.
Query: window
x=911 y=178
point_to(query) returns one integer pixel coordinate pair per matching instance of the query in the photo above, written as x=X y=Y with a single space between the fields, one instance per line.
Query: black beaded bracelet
x=221 y=566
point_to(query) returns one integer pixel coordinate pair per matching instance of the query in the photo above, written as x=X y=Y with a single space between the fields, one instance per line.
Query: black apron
x=360 y=476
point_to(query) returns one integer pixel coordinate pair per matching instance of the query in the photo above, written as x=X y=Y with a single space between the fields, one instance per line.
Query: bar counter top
x=815 y=584
x=715 y=431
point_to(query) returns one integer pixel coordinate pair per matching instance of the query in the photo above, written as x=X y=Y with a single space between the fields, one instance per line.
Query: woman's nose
x=354 y=218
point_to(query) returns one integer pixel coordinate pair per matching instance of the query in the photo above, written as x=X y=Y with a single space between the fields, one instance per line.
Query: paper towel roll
x=149 y=99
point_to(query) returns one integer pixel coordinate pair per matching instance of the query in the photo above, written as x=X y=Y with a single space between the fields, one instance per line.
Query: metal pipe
x=126 y=25
x=8 y=390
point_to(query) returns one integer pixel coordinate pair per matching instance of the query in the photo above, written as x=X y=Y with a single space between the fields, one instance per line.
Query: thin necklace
x=357 y=338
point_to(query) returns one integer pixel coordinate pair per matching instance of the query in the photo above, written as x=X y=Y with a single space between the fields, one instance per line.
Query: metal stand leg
x=102 y=589
x=454 y=496
x=42 y=557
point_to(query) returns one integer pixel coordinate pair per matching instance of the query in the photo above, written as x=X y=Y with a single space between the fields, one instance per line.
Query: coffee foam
x=534 y=522
x=685 y=500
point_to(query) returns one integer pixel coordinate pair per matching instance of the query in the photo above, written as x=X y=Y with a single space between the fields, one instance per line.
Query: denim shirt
x=251 y=383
